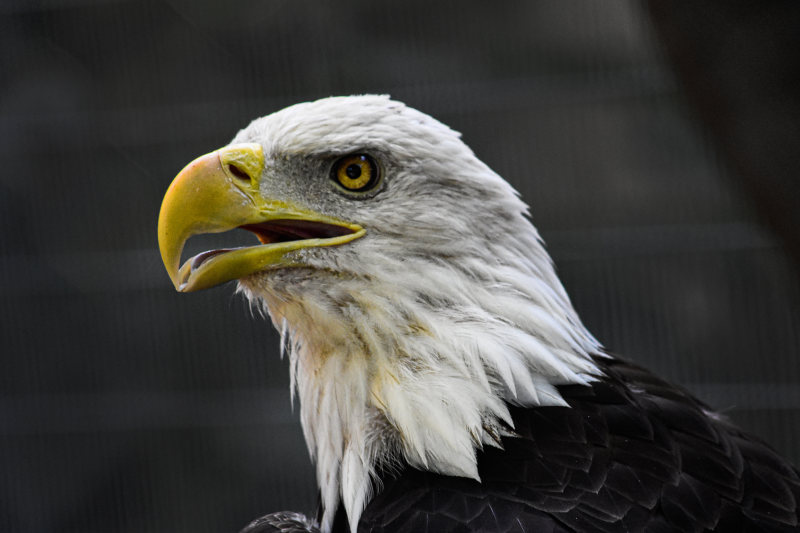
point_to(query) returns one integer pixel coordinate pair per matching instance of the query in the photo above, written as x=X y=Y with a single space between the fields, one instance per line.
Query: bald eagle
x=445 y=381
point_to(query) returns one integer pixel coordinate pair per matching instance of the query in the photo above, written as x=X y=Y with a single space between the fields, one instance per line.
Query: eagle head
x=414 y=297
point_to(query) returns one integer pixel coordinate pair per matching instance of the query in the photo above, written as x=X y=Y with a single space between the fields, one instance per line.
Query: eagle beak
x=219 y=192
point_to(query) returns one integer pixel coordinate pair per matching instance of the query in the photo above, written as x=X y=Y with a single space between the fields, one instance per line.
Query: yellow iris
x=356 y=172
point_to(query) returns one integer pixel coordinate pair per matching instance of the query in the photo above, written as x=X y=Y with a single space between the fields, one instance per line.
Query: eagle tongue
x=199 y=259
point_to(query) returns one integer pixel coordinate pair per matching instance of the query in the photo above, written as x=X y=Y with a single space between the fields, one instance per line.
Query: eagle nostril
x=238 y=172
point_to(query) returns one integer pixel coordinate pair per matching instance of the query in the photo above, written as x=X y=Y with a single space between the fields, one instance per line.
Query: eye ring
x=356 y=172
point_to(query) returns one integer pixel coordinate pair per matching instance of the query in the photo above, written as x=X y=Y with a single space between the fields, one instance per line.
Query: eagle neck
x=402 y=369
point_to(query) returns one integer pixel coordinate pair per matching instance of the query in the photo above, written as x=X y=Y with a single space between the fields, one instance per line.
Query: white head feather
x=407 y=345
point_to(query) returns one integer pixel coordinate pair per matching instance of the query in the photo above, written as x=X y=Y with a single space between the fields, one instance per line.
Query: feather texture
x=630 y=453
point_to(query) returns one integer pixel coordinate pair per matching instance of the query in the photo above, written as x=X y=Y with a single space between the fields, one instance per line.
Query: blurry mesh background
x=126 y=407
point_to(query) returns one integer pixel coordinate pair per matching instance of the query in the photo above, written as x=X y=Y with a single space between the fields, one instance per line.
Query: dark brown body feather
x=631 y=454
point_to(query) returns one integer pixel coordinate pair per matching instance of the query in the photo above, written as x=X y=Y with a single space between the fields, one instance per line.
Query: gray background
x=125 y=406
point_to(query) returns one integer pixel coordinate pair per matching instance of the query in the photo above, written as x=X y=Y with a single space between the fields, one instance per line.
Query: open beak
x=219 y=192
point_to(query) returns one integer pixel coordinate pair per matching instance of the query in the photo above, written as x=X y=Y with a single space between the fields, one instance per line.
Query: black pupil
x=353 y=171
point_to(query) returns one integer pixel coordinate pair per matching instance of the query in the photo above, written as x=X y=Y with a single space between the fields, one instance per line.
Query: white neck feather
x=400 y=368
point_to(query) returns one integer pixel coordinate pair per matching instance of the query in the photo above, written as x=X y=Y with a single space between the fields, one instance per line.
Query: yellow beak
x=219 y=192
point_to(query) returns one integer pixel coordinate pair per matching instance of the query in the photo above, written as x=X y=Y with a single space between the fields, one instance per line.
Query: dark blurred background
x=657 y=145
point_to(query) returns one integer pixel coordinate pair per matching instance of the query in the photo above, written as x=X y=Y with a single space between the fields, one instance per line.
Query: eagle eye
x=356 y=173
